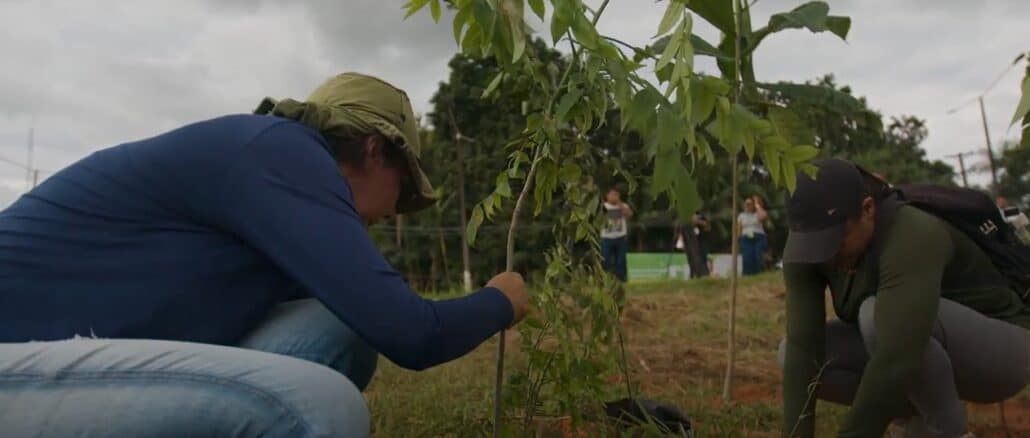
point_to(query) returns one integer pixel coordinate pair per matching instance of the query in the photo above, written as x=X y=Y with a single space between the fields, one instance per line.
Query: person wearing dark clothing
x=693 y=237
x=915 y=299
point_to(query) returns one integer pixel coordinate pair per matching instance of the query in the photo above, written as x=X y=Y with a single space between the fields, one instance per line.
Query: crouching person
x=925 y=319
x=218 y=279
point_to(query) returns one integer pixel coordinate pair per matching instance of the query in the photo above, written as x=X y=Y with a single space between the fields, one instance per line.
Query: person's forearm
x=800 y=373
x=805 y=347
x=465 y=323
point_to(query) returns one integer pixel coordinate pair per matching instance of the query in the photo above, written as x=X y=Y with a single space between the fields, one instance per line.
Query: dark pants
x=751 y=250
x=957 y=365
x=613 y=253
x=697 y=254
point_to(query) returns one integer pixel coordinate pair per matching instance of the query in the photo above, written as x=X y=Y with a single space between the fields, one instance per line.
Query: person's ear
x=868 y=208
x=374 y=153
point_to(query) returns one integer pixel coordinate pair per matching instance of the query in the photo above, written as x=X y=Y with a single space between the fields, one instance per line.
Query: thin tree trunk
x=731 y=350
x=443 y=254
x=509 y=266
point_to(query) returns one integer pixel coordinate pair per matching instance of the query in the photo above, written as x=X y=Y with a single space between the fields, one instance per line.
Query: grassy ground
x=676 y=345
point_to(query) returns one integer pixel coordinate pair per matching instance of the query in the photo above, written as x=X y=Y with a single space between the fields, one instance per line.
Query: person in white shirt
x=753 y=242
x=613 y=236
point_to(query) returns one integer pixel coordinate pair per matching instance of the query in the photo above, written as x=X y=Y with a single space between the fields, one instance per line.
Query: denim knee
x=307 y=330
x=341 y=410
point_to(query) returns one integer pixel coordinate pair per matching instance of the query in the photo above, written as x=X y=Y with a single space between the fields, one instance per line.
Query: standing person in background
x=753 y=243
x=613 y=236
x=694 y=245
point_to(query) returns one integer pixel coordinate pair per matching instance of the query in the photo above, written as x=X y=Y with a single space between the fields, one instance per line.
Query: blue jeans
x=751 y=251
x=613 y=255
x=299 y=374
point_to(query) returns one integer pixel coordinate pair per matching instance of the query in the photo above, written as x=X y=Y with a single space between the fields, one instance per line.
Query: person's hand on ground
x=514 y=288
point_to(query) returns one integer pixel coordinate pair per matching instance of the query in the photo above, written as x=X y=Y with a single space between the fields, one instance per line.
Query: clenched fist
x=514 y=288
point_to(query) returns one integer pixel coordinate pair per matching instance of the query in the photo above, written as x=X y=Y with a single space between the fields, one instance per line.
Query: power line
x=14 y=163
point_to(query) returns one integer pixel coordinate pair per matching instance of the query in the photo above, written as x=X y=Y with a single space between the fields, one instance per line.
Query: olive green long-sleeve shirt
x=921 y=260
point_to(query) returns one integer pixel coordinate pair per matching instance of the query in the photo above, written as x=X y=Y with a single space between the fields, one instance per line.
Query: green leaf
x=790 y=126
x=705 y=150
x=493 y=85
x=503 y=188
x=670 y=130
x=666 y=164
x=812 y=16
x=803 y=153
x=702 y=47
x=1023 y=108
x=566 y=103
x=538 y=8
x=534 y=122
x=414 y=6
x=839 y=25
x=584 y=32
x=434 y=10
x=790 y=176
x=724 y=127
x=670 y=50
x=743 y=120
x=673 y=13
x=473 y=37
x=809 y=169
x=643 y=109
x=489 y=203
x=473 y=226
x=717 y=12
x=570 y=172
x=688 y=200
x=771 y=158
x=518 y=41
x=486 y=18
x=459 y=23
x=559 y=24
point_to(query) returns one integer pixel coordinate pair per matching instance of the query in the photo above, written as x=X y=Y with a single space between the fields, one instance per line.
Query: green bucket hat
x=353 y=104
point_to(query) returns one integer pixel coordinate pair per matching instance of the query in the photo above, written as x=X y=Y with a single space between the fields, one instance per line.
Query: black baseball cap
x=819 y=208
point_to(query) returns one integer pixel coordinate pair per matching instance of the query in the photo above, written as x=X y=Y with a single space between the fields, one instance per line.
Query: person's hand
x=514 y=288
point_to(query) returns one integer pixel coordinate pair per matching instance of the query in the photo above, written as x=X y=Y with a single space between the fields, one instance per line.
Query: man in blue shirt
x=218 y=279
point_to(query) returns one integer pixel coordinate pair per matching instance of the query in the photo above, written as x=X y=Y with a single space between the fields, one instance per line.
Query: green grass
x=676 y=343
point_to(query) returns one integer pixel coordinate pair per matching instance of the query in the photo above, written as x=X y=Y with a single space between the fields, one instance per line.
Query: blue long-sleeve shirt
x=196 y=234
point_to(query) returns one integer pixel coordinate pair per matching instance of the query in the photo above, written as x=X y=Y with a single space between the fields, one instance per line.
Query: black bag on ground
x=628 y=412
x=973 y=213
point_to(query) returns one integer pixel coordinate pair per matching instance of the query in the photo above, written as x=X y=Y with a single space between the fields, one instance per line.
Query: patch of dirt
x=1017 y=416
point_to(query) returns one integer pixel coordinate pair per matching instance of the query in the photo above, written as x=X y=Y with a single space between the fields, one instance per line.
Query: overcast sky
x=92 y=74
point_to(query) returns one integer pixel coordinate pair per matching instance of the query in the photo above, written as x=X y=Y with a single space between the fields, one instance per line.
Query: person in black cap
x=916 y=299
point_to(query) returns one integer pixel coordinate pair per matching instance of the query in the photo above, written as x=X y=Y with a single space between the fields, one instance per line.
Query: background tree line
x=426 y=247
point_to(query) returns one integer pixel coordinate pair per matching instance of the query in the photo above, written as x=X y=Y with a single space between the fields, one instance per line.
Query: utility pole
x=987 y=137
x=31 y=146
x=983 y=118
x=458 y=138
x=35 y=178
x=961 y=166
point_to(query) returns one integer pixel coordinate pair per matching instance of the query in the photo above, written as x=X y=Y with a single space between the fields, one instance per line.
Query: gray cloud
x=93 y=74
